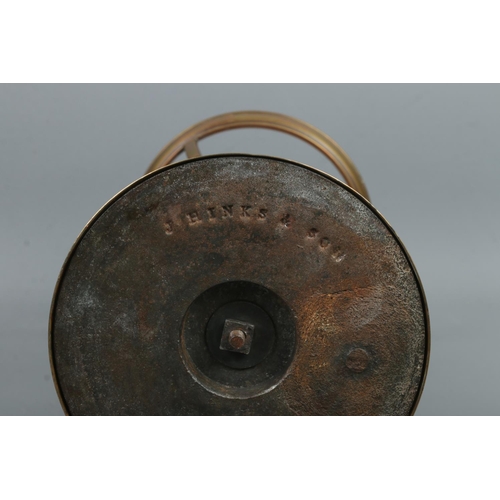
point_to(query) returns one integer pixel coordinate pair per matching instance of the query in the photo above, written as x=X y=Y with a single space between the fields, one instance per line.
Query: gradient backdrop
x=429 y=155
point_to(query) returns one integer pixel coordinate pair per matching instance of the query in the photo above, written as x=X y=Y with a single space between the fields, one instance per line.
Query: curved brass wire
x=188 y=140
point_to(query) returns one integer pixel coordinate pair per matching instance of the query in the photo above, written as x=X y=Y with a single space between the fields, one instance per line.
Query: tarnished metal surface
x=328 y=282
x=236 y=336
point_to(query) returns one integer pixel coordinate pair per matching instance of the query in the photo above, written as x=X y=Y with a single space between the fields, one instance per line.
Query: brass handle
x=188 y=140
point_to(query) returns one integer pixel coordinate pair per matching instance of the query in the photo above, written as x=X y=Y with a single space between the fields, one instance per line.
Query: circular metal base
x=239 y=285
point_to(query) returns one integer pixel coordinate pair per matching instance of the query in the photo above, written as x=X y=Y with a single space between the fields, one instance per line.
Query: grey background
x=429 y=155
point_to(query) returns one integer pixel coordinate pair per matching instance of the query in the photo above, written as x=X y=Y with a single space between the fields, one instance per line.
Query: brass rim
x=87 y=227
x=188 y=141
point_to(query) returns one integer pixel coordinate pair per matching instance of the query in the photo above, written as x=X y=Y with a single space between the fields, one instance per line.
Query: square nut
x=237 y=336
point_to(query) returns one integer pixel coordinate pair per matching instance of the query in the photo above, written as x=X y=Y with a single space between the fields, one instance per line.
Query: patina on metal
x=177 y=273
x=237 y=336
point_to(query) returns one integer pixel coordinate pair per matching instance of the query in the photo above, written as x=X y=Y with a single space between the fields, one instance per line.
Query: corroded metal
x=341 y=324
x=237 y=336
